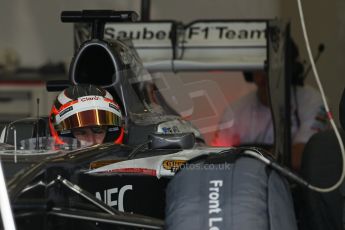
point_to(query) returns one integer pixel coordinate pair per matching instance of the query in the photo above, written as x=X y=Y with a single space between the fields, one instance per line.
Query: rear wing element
x=201 y=45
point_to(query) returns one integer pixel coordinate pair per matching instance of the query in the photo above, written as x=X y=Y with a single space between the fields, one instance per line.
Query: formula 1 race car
x=163 y=176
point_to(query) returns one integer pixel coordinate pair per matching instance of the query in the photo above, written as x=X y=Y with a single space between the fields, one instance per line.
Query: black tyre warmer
x=229 y=191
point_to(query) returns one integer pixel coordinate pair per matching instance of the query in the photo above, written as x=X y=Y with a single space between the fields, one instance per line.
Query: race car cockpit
x=115 y=66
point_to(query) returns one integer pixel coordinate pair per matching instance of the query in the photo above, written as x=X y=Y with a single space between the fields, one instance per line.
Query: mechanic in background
x=87 y=113
x=248 y=121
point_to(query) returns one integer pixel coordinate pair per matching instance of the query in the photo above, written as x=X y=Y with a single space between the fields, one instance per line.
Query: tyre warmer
x=229 y=191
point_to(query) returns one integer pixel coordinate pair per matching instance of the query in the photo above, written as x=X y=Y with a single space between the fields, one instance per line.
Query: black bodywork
x=51 y=194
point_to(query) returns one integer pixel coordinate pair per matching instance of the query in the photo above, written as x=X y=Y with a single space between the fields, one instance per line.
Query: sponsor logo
x=114 y=197
x=201 y=31
x=173 y=129
x=114 y=106
x=144 y=33
x=63 y=112
x=321 y=121
x=173 y=165
x=91 y=98
x=214 y=209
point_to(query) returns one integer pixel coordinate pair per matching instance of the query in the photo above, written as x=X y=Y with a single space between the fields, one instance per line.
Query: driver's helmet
x=82 y=106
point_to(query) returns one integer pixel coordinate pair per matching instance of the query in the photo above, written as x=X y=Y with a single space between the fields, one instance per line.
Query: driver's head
x=88 y=113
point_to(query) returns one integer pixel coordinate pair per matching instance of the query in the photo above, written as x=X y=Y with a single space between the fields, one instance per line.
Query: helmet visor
x=89 y=118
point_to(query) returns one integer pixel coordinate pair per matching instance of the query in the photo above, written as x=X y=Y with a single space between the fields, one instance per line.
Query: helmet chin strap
x=55 y=134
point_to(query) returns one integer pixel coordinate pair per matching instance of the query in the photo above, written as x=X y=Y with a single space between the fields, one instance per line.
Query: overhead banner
x=202 y=45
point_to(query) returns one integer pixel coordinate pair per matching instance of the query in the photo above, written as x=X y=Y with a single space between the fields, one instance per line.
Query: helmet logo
x=114 y=106
x=90 y=98
x=66 y=111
